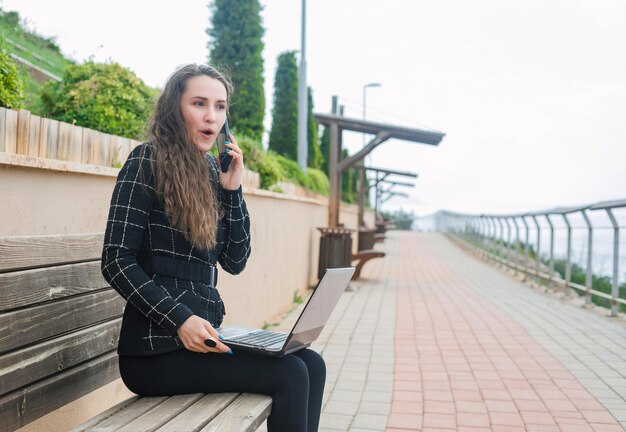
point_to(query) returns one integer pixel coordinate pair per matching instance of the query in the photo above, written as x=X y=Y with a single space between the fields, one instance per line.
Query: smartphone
x=222 y=150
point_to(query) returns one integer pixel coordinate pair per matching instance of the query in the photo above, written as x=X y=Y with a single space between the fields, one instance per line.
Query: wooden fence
x=26 y=134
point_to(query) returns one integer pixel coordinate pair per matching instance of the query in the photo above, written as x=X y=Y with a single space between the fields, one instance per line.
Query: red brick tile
x=407 y=407
x=496 y=394
x=435 y=385
x=470 y=406
x=407 y=396
x=407 y=385
x=524 y=394
x=598 y=416
x=404 y=421
x=472 y=419
x=467 y=395
x=559 y=405
x=531 y=405
x=501 y=406
x=567 y=414
x=506 y=419
x=587 y=404
x=439 y=407
x=472 y=429
x=439 y=420
x=542 y=428
x=499 y=428
x=579 y=427
x=537 y=418
x=430 y=429
x=491 y=384
x=438 y=395
x=606 y=427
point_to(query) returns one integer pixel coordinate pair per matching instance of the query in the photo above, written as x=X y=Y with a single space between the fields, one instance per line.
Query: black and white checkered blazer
x=162 y=276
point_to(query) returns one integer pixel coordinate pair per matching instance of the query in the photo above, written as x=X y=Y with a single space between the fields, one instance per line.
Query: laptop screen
x=324 y=299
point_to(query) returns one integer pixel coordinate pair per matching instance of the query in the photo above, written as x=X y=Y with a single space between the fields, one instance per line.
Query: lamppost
x=365 y=87
x=302 y=98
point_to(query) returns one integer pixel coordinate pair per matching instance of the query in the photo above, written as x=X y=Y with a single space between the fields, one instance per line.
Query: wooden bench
x=59 y=327
x=362 y=257
x=367 y=238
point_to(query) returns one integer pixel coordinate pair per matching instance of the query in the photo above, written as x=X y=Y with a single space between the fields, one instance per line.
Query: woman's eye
x=198 y=103
x=221 y=107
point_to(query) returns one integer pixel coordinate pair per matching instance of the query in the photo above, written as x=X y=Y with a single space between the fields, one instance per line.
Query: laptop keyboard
x=261 y=338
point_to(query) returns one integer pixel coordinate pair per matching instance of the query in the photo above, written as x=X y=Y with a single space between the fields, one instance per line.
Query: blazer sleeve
x=236 y=223
x=131 y=203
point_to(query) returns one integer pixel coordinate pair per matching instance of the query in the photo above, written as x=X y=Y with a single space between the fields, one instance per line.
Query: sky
x=531 y=94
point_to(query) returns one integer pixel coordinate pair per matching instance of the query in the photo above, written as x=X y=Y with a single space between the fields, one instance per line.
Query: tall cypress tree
x=325 y=149
x=284 y=132
x=235 y=46
x=314 y=154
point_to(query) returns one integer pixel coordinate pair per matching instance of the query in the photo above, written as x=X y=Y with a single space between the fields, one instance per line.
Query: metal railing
x=497 y=237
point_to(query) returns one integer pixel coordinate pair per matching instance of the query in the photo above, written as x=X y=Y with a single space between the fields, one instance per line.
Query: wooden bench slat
x=21 y=367
x=105 y=414
x=162 y=414
x=245 y=414
x=38 y=251
x=25 y=405
x=199 y=414
x=26 y=287
x=27 y=326
x=129 y=413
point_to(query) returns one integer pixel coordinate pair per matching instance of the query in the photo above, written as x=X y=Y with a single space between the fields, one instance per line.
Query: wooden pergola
x=381 y=177
x=381 y=131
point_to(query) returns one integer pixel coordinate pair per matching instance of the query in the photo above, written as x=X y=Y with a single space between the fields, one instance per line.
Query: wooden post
x=335 y=177
x=76 y=144
x=8 y=130
x=34 y=135
x=362 y=192
x=52 y=139
x=105 y=150
x=23 y=129
x=63 y=148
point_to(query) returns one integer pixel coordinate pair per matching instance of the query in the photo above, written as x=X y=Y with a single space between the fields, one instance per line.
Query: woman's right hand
x=195 y=331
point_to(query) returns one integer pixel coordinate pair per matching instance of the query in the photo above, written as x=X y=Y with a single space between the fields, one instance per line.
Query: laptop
x=307 y=328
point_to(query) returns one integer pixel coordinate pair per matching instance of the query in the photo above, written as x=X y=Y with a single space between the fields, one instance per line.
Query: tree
x=235 y=47
x=325 y=149
x=284 y=132
x=102 y=96
x=314 y=154
x=11 y=83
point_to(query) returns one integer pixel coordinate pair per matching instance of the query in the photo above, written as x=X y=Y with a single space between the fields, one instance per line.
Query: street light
x=365 y=87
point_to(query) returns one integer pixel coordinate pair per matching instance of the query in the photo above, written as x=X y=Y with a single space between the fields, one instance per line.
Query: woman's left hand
x=231 y=179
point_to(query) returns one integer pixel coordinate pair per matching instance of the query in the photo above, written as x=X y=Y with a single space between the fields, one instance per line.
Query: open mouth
x=207 y=134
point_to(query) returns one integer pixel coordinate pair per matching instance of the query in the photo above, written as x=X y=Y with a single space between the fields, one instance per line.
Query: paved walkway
x=433 y=339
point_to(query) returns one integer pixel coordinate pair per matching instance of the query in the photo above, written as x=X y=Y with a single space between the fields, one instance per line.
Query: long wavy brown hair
x=181 y=171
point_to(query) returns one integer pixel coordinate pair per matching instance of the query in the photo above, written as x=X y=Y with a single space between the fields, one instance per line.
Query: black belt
x=170 y=267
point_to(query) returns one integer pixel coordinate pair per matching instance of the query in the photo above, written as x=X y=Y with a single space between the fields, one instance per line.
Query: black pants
x=295 y=382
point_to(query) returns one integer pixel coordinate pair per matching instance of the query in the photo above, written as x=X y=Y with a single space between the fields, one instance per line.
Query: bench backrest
x=59 y=324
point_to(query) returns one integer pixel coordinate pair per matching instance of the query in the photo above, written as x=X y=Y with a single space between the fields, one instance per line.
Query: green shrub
x=317 y=181
x=102 y=96
x=291 y=170
x=11 y=82
x=269 y=169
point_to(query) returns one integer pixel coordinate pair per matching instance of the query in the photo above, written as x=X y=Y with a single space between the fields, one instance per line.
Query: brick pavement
x=433 y=339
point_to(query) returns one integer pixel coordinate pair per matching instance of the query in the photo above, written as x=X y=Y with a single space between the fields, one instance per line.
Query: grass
x=38 y=50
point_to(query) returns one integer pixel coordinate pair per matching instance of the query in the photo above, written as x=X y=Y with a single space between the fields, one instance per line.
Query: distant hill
x=40 y=56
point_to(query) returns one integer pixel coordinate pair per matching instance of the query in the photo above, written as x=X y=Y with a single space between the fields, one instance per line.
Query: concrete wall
x=43 y=197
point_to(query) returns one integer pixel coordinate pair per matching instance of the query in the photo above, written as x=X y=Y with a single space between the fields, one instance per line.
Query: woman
x=173 y=216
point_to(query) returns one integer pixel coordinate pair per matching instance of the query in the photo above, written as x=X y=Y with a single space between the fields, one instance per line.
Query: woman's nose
x=209 y=115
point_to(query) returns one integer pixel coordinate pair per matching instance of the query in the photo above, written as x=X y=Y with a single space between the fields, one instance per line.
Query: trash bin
x=335 y=248
x=366 y=238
